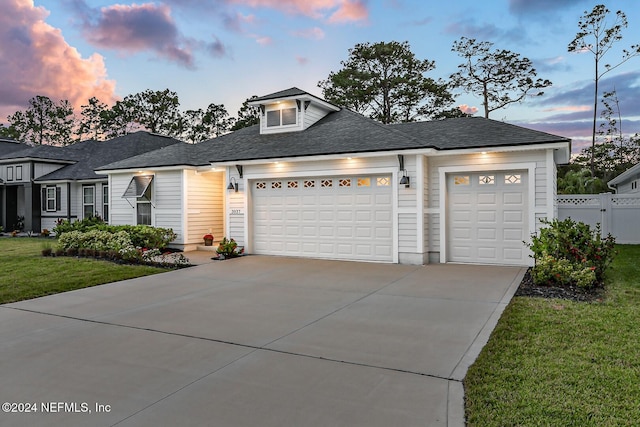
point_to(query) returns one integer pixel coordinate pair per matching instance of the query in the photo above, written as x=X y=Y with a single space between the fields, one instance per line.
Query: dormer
x=290 y=110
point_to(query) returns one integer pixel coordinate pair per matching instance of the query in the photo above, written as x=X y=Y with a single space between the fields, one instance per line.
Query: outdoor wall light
x=405 y=179
x=233 y=184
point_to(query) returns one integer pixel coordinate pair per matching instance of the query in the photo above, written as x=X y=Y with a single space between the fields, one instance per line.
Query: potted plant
x=208 y=239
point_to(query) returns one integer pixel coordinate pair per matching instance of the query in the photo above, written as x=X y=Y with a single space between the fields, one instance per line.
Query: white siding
x=312 y=115
x=166 y=194
x=236 y=214
x=205 y=206
x=41 y=169
x=122 y=213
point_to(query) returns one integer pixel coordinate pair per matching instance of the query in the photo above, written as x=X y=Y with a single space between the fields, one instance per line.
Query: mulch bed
x=529 y=289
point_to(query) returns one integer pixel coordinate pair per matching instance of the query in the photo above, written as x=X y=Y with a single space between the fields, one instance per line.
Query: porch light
x=405 y=179
x=233 y=184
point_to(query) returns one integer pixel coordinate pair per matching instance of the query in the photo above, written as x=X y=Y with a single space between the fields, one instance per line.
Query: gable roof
x=624 y=176
x=342 y=132
x=293 y=91
x=92 y=154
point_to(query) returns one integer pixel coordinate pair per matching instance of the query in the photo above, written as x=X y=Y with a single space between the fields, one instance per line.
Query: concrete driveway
x=255 y=341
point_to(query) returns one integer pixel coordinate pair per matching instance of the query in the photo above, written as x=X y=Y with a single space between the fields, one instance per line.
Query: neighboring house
x=7 y=146
x=49 y=182
x=627 y=182
x=316 y=180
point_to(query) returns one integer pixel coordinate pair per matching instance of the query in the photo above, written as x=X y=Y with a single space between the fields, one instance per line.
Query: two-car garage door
x=338 y=217
x=487 y=217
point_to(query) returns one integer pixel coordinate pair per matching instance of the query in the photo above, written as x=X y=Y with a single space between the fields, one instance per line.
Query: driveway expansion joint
x=235 y=344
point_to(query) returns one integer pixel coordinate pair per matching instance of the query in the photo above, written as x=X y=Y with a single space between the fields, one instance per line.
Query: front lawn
x=25 y=274
x=553 y=362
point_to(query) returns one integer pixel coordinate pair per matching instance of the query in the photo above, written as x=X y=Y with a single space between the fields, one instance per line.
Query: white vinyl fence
x=618 y=214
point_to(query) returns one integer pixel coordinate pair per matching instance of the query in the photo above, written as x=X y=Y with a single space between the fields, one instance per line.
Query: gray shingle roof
x=293 y=91
x=341 y=132
x=43 y=152
x=9 y=145
x=93 y=154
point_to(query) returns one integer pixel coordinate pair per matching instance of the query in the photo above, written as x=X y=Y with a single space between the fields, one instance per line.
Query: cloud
x=237 y=21
x=544 y=7
x=485 y=32
x=35 y=59
x=263 y=40
x=301 y=60
x=138 y=28
x=334 y=11
x=314 y=33
x=467 y=109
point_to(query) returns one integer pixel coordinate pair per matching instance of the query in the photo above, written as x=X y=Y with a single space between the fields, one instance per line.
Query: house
x=44 y=183
x=316 y=180
x=627 y=182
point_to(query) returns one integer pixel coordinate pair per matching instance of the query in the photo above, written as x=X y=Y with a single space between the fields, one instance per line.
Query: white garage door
x=487 y=217
x=346 y=217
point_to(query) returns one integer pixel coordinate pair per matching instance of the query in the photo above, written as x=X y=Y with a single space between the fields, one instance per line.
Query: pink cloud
x=467 y=109
x=263 y=40
x=336 y=10
x=138 y=28
x=35 y=60
x=310 y=33
x=301 y=60
x=571 y=108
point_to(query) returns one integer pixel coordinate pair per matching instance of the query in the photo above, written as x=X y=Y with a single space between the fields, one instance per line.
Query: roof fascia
x=36 y=159
x=306 y=97
x=151 y=168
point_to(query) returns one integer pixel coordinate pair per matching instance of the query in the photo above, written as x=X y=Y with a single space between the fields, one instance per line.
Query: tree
x=44 y=122
x=500 y=77
x=91 y=121
x=247 y=116
x=595 y=36
x=616 y=152
x=386 y=82
x=157 y=111
x=120 y=119
x=216 y=120
x=9 y=132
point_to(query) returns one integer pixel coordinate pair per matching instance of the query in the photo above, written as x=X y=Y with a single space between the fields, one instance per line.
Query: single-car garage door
x=343 y=217
x=487 y=217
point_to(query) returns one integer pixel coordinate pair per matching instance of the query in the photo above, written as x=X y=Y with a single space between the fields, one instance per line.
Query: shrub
x=570 y=252
x=228 y=248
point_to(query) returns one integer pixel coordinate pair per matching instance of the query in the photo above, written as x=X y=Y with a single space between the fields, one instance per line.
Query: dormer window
x=282 y=117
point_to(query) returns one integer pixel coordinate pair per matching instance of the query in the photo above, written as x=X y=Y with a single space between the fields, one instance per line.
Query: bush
x=569 y=252
x=143 y=236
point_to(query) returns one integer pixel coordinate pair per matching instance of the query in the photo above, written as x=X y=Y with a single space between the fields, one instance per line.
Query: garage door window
x=461 y=180
x=513 y=179
x=486 y=180
x=309 y=184
x=345 y=182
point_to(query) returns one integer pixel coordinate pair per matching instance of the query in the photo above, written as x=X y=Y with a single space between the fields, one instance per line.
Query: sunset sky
x=223 y=51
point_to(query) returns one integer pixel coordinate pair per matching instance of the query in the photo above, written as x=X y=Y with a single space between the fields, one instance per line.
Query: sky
x=224 y=51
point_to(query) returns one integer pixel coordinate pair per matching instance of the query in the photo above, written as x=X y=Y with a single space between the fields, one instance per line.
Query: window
x=51 y=199
x=383 y=181
x=309 y=184
x=634 y=185
x=105 y=202
x=461 y=180
x=143 y=207
x=364 y=182
x=292 y=184
x=9 y=173
x=345 y=182
x=284 y=117
x=513 y=179
x=140 y=189
x=18 y=173
x=88 y=201
x=276 y=184
x=261 y=185
x=486 y=179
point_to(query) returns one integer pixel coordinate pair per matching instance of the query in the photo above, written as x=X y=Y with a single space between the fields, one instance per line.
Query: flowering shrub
x=570 y=252
x=228 y=248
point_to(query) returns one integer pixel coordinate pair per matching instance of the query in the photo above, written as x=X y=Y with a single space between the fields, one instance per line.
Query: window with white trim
x=105 y=202
x=9 y=173
x=50 y=199
x=282 y=117
x=143 y=207
x=18 y=173
x=88 y=201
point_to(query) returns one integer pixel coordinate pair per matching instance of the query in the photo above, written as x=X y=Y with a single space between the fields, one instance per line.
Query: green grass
x=26 y=274
x=561 y=363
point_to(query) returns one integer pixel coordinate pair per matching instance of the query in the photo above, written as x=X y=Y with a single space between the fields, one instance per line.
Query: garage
x=487 y=217
x=342 y=217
